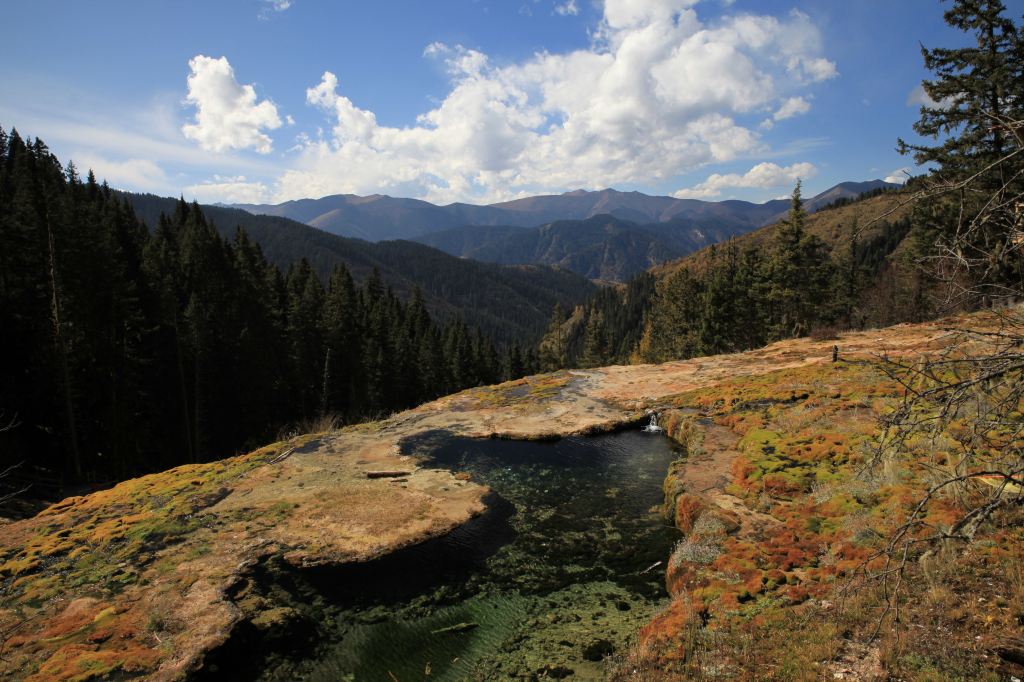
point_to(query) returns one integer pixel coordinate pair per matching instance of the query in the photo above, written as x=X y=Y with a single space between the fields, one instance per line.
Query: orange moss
x=688 y=510
x=661 y=637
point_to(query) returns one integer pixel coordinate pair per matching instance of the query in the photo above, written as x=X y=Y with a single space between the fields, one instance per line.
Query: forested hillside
x=128 y=350
x=511 y=304
x=840 y=268
x=601 y=248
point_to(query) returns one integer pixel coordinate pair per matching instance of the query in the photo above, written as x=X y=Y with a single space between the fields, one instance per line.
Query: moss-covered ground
x=137 y=580
x=786 y=598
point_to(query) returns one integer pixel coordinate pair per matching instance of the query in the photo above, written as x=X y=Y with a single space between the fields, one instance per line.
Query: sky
x=264 y=101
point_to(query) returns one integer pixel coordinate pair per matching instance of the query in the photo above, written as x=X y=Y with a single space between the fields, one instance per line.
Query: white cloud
x=899 y=176
x=234 y=190
x=919 y=98
x=659 y=93
x=271 y=6
x=137 y=174
x=794 y=106
x=567 y=8
x=228 y=115
x=762 y=176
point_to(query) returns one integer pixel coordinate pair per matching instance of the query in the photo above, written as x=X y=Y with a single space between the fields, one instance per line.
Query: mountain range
x=603 y=235
x=378 y=217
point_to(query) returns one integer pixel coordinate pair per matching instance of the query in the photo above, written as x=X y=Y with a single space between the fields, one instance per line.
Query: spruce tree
x=976 y=91
x=344 y=338
x=799 y=273
x=595 y=341
x=671 y=329
x=966 y=235
x=554 y=346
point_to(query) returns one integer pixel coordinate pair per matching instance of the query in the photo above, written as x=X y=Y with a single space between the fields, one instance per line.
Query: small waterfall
x=652 y=426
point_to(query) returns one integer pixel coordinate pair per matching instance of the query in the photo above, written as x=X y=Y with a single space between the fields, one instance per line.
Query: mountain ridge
x=611 y=247
x=378 y=217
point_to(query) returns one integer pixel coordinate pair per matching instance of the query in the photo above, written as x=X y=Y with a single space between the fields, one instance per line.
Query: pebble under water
x=546 y=585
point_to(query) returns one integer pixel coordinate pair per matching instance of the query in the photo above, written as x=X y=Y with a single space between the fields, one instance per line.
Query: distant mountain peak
x=379 y=216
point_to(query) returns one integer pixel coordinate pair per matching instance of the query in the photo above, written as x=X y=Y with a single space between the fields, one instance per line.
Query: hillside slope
x=835 y=226
x=772 y=501
x=509 y=303
x=714 y=300
x=602 y=247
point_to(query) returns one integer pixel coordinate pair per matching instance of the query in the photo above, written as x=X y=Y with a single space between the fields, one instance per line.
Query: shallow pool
x=552 y=580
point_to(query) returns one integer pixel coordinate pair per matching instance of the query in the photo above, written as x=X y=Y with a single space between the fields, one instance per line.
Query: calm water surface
x=546 y=584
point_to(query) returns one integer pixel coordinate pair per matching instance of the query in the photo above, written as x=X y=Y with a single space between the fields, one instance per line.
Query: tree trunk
x=62 y=354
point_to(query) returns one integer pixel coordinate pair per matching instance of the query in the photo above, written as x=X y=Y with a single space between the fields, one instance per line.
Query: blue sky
x=470 y=100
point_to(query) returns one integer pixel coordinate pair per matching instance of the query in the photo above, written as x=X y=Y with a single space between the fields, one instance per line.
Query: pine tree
x=717 y=330
x=798 y=275
x=595 y=341
x=750 y=288
x=307 y=348
x=976 y=91
x=261 y=358
x=785 y=273
x=554 y=346
x=343 y=336
x=847 y=282
x=515 y=367
x=670 y=332
x=966 y=234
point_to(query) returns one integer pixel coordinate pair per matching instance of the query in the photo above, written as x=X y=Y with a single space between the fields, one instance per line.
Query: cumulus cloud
x=899 y=176
x=567 y=8
x=228 y=115
x=762 y=176
x=658 y=93
x=794 y=106
x=234 y=190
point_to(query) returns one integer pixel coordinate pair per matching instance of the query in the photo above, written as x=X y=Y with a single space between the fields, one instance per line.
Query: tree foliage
x=127 y=350
x=744 y=299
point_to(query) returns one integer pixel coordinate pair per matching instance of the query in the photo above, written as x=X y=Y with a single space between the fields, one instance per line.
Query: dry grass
x=323 y=424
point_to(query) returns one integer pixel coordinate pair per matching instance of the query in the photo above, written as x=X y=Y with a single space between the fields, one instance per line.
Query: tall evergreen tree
x=671 y=331
x=965 y=236
x=554 y=346
x=799 y=273
x=595 y=342
x=975 y=92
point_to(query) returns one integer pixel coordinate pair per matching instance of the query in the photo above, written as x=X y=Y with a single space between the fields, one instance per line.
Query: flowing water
x=545 y=585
